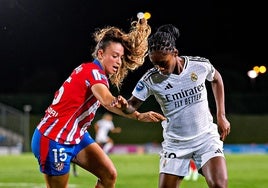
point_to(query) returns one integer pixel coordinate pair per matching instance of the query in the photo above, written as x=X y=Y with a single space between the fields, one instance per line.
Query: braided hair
x=164 y=39
x=135 y=45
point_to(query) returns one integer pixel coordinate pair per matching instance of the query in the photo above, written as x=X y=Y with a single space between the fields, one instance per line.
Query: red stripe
x=44 y=148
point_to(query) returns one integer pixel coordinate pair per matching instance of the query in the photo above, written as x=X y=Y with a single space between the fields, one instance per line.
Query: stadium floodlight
x=252 y=74
x=262 y=69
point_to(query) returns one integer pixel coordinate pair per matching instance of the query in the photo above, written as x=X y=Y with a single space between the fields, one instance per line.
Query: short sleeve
x=95 y=75
x=141 y=91
x=211 y=72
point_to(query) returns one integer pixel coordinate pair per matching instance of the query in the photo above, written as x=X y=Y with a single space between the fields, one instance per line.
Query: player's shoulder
x=94 y=68
x=84 y=66
x=196 y=59
x=89 y=65
x=149 y=73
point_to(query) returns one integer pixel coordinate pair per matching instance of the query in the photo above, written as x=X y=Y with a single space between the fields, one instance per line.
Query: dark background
x=42 y=41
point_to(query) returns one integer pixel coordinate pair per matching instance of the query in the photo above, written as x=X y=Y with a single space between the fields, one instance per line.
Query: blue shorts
x=54 y=158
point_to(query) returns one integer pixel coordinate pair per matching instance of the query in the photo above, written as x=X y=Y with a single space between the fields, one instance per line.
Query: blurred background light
x=252 y=74
x=262 y=69
x=147 y=15
x=256 y=69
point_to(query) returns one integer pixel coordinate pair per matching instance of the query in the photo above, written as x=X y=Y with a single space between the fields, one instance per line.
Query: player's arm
x=132 y=104
x=128 y=106
x=116 y=130
x=108 y=101
x=218 y=91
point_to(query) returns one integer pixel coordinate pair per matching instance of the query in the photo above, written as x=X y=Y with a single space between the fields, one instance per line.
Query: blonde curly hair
x=135 y=45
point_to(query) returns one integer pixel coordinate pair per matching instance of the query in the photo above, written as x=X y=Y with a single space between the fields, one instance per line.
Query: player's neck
x=178 y=68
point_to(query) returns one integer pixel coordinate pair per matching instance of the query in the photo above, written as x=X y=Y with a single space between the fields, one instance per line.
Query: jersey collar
x=95 y=61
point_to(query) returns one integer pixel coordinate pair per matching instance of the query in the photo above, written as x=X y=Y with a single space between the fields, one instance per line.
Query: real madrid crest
x=194 y=77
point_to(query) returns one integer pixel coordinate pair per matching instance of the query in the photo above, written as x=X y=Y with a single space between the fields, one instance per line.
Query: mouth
x=115 y=68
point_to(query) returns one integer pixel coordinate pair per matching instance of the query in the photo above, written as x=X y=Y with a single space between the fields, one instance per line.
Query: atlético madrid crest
x=59 y=166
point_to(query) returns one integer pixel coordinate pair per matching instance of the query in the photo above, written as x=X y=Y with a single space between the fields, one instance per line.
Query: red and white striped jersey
x=74 y=105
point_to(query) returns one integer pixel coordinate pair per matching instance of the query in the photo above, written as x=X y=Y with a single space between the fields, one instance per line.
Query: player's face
x=111 y=57
x=165 y=62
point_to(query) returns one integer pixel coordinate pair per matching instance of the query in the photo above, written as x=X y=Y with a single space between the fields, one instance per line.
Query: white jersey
x=104 y=126
x=181 y=97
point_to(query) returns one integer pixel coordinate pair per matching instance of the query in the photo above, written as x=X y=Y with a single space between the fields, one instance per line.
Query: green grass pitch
x=134 y=170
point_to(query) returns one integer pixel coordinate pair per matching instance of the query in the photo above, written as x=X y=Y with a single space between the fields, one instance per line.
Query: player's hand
x=150 y=117
x=119 y=102
x=224 y=127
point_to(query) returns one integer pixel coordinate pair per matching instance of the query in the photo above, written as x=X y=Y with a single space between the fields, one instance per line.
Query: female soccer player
x=103 y=127
x=178 y=84
x=61 y=137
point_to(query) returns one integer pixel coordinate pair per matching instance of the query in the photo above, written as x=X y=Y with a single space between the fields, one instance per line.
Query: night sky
x=42 y=41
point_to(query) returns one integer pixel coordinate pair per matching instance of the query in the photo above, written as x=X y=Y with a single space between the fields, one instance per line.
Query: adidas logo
x=168 y=86
x=218 y=151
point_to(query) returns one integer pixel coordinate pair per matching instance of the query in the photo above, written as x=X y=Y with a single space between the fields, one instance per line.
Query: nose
x=119 y=62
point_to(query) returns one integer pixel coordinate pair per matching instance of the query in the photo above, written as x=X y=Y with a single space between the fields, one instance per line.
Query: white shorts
x=175 y=156
x=102 y=139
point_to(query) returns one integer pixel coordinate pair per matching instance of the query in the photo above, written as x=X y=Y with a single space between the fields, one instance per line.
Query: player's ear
x=100 y=54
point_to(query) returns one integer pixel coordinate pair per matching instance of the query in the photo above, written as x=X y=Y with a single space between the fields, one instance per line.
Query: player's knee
x=218 y=183
x=113 y=175
x=110 y=178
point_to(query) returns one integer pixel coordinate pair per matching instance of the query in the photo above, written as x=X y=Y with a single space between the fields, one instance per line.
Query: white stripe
x=96 y=74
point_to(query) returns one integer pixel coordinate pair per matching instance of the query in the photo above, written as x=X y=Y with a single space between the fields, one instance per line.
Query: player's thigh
x=215 y=168
x=57 y=181
x=169 y=180
x=93 y=159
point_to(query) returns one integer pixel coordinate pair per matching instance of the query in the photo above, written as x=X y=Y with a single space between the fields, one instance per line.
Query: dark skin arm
x=132 y=104
x=218 y=91
x=129 y=106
